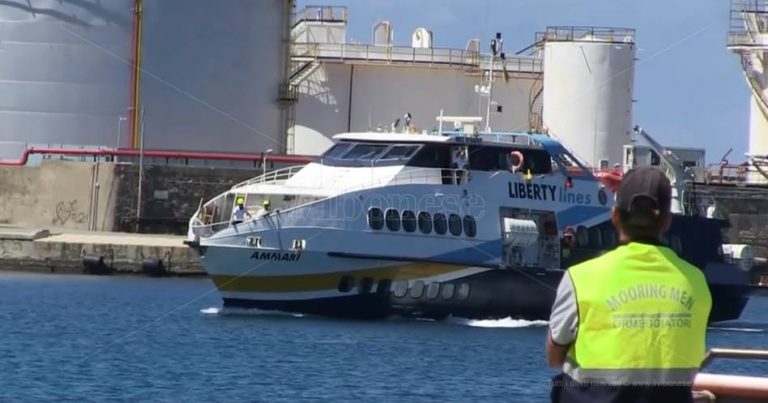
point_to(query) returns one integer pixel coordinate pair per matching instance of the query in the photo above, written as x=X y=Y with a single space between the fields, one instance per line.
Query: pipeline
x=195 y=155
x=136 y=73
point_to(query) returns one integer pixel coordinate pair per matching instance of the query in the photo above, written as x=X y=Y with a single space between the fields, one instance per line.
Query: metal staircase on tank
x=748 y=38
x=304 y=59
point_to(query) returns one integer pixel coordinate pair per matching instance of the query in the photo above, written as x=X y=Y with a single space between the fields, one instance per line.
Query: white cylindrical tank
x=64 y=71
x=758 y=127
x=588 y=87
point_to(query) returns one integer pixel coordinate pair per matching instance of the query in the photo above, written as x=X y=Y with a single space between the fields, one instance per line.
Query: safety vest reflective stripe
x=633 y=376
x=643 y=313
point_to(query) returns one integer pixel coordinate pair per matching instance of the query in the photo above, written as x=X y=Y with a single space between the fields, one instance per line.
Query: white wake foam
x=211 y=311
x=737 y=329
x=506 y=323
x=216 y=311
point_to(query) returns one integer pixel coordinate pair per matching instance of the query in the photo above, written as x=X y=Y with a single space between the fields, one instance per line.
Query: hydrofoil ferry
x=458 y=222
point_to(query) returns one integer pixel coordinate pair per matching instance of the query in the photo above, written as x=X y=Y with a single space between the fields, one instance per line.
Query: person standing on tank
x=630 y=325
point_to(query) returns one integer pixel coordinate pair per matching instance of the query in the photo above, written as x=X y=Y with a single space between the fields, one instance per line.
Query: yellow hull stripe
x=328 y=281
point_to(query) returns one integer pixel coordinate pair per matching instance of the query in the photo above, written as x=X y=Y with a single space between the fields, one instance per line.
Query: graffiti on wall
x=68 y=212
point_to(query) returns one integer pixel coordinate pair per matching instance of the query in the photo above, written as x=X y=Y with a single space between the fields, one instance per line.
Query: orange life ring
x=512 y=166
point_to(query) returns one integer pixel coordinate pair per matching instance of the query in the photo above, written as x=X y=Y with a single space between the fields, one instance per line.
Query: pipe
x=136 y=72
x=110 y=152
x=141 y=171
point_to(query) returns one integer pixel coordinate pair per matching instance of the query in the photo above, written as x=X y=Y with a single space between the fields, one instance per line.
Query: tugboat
x=462 y=223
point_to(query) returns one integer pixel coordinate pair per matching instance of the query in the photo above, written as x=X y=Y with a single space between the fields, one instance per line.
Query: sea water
x=80 y=338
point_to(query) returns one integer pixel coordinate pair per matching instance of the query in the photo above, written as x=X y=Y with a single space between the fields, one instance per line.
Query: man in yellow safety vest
x=630 y=325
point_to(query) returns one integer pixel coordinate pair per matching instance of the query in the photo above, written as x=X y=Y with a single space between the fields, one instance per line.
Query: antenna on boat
x=440 y=123
x=486 y=89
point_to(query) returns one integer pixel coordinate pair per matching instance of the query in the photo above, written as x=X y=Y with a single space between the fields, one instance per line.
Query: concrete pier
x=51 y=250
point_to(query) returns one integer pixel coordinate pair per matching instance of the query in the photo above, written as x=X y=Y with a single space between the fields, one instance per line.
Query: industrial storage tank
x=207 y=74
x=211 y=74
x=64 y=72
x=588 y=89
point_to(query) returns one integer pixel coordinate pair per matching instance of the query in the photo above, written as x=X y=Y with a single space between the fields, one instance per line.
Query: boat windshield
x=367 y=154
x=364 y=152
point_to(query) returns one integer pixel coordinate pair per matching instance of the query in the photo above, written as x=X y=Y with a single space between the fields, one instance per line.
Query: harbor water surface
x=81 y=338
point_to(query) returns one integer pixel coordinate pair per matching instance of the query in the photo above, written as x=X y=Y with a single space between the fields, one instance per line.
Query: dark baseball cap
x=645 y=193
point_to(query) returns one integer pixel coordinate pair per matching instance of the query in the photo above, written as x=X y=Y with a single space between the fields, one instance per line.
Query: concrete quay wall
x=121 y=253
x=105 y=196
x=65 y=194
x=170 y=195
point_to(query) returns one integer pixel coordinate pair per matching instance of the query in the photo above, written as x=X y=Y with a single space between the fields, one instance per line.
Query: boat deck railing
x=273 y=177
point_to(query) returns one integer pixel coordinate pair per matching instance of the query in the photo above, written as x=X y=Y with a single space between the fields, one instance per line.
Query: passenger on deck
x=239 y=214
x=459 y=163
x=630 y=325
x=569 y=242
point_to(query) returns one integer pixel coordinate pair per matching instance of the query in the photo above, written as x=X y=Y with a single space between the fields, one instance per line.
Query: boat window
x=463 y=291
x=425 y=222
x=595 y=238
x=383 y=287
x=441 y=224
x=432 y=156
x=433 y=291
x=470 y=226
x=655 y=159
x=400 y=289
x=400 y=152
x=366 y=285
x=582 y=236
x=393 y=220
x=346 y=283
x=375 y=218
x=337 y=150
x=365 y=151
x=487 y=158
x=609 y=237
x=409 y=221
x=454 y=224
x=566 y=163
x=448 y=289
x=417 y=291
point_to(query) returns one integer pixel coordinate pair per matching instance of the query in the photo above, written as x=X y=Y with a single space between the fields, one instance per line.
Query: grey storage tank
x=208 y=74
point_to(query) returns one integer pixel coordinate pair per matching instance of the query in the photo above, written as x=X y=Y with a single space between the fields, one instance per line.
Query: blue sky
x=689 y=88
